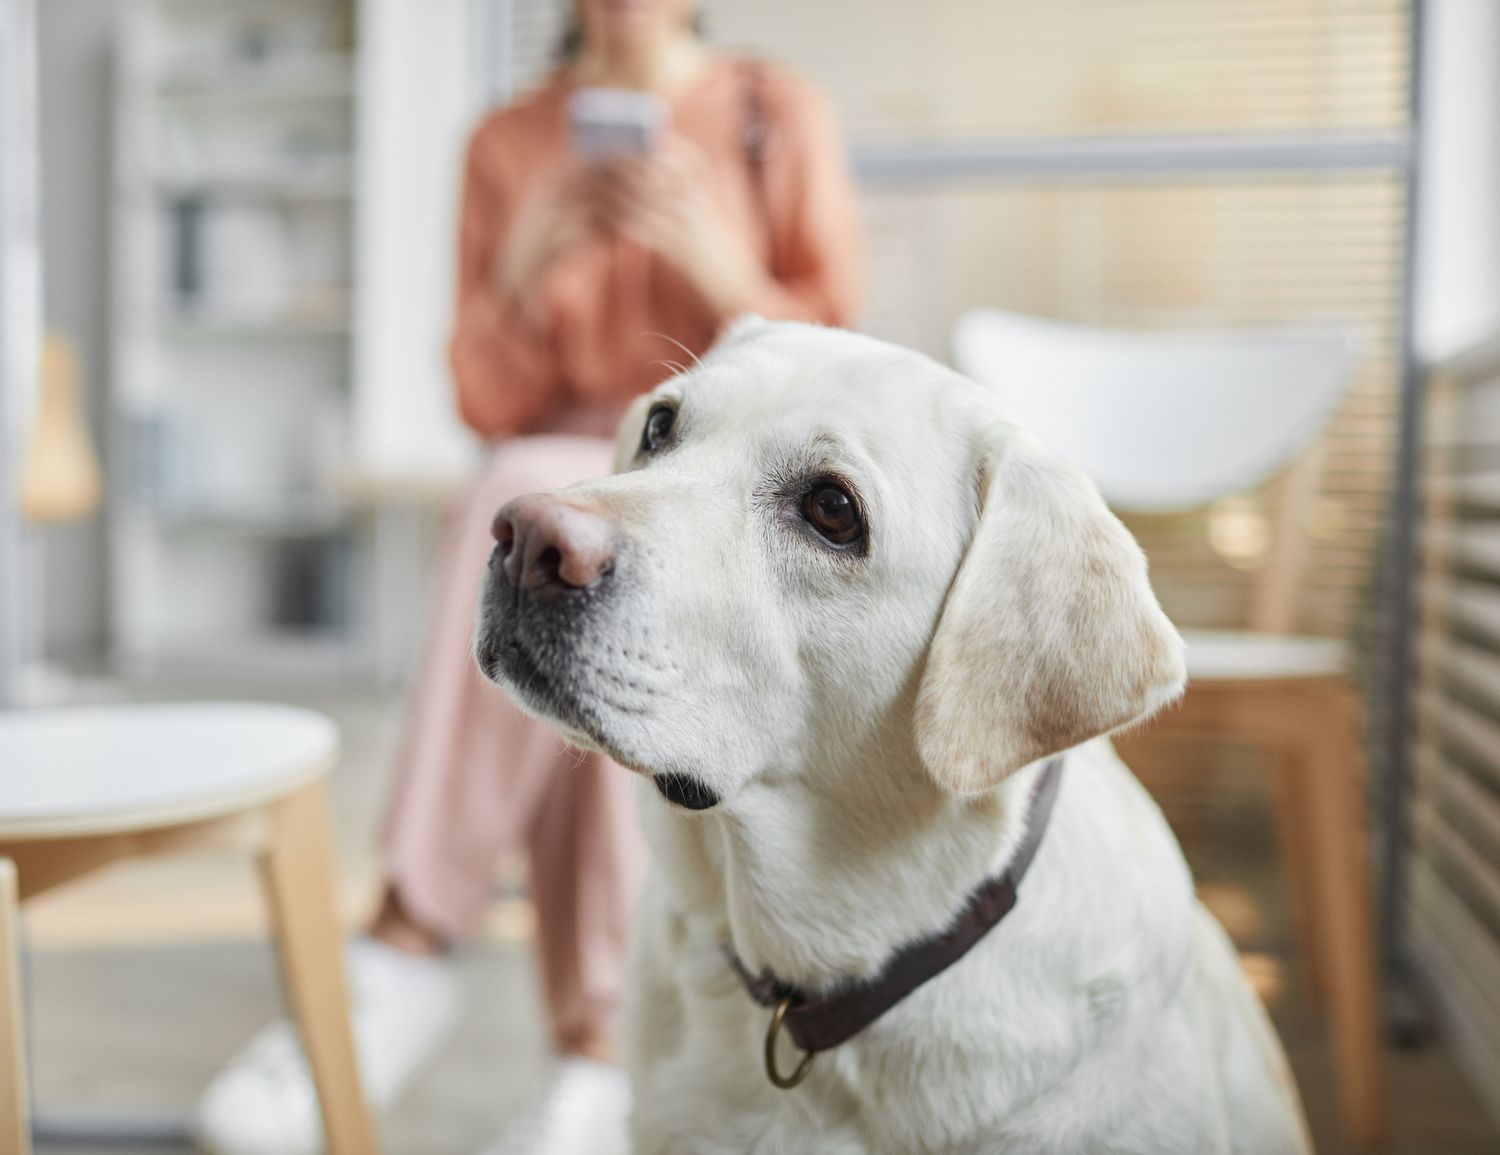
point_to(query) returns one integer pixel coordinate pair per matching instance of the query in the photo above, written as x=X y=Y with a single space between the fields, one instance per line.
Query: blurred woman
x=580 y=285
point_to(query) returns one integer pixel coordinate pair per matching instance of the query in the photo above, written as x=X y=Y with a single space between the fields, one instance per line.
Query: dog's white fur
x=873 y=725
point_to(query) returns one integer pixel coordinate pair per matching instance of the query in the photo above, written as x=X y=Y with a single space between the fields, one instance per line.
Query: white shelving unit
x=233 y=265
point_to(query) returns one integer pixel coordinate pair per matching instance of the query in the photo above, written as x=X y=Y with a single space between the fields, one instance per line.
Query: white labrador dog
x=840 y=612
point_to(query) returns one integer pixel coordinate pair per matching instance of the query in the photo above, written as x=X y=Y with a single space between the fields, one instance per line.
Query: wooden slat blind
x=1254 y=250
x=1184 y=256
x=1454 y=894
x=965 y=69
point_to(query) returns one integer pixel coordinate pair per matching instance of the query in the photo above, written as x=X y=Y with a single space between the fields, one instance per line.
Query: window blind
x=1128 y=249
x=978 y=68
x=1453 y=896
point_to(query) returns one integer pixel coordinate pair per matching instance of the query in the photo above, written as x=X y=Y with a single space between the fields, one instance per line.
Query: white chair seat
x=1162 y=422
x=1227 y=656
x=95 y=770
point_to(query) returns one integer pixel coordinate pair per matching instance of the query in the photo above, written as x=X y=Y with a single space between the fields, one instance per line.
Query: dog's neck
x=819 y=878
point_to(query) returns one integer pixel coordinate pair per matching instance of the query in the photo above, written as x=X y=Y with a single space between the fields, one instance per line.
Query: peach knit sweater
x=611 y=304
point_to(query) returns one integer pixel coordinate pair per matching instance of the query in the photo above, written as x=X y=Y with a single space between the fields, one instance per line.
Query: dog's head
x=818 y=547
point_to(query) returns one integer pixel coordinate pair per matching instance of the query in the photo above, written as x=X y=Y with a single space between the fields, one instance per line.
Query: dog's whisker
x=697 y=360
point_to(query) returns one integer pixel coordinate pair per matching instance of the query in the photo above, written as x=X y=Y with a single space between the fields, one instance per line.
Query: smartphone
x=606 y=123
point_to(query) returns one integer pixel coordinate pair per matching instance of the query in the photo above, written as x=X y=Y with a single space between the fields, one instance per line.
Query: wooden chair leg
x=300 y=880
x=1334 y=745
x=1294 y=834
x=15 y=1125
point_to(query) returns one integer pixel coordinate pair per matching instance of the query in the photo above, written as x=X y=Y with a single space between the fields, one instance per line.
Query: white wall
x=75 y=39
x=19 y=320
x=1458 y=228
x=415 y=111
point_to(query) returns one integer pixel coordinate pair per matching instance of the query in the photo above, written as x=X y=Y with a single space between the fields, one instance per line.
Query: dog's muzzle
x=553 y=564
x=550 y=549
x=555 y=582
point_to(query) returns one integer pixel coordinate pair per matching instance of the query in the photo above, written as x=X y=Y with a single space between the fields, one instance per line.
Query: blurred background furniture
x=231 y=330
x=1168 y=422
x=81 y=788
x=60 y=478
x=1453 y=903
x=15 y=1122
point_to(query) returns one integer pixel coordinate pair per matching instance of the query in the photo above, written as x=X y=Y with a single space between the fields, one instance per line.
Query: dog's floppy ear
x=1050 y=634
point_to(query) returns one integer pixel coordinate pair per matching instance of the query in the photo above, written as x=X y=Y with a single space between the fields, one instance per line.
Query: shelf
x=237 y=172
x=224 y=7
x=310 y=517
x=238 y=329
x=312 y=78
x=387 y=489
x=274 y=654
x=334 y=189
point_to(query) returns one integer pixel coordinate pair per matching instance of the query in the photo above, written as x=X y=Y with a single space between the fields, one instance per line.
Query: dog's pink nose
x=547 y=545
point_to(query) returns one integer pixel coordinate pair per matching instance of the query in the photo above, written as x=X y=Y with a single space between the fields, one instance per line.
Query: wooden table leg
x=15 y=1125
x=1335 y=810
x=299 y=873
x=1290 y=773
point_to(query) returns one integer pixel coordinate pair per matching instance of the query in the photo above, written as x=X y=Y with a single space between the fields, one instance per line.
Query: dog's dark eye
x=659 y=424
x=830 y=510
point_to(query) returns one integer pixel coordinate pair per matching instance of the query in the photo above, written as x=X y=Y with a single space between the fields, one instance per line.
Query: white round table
x=84 y=787
x=109 y=769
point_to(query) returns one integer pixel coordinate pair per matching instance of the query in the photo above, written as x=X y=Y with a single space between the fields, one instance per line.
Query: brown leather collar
x=821 y=1022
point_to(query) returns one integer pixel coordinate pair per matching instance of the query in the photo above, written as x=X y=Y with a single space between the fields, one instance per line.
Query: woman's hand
x=661 y=201
x=563 y=210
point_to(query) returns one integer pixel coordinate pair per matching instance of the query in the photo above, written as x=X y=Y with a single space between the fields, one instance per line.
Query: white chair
x=82 y=788
x=1167 y=422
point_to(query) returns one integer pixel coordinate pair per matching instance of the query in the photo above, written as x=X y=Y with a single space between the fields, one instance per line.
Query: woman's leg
x=475 y=773
x=586 y=859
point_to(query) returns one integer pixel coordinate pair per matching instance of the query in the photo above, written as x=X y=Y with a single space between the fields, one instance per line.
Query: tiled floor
x=146 y=1026
x=145 y=978
x=1432 y=1109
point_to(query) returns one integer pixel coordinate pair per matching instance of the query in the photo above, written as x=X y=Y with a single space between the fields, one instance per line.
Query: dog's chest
x=954 y=1070
x=1059 y=1033
x=916 y=1098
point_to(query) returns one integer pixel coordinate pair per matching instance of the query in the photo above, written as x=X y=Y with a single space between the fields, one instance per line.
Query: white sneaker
x=263 y=1102
x=585 y=1111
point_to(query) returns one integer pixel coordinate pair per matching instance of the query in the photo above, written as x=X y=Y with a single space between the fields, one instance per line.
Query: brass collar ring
x=773 y=1072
